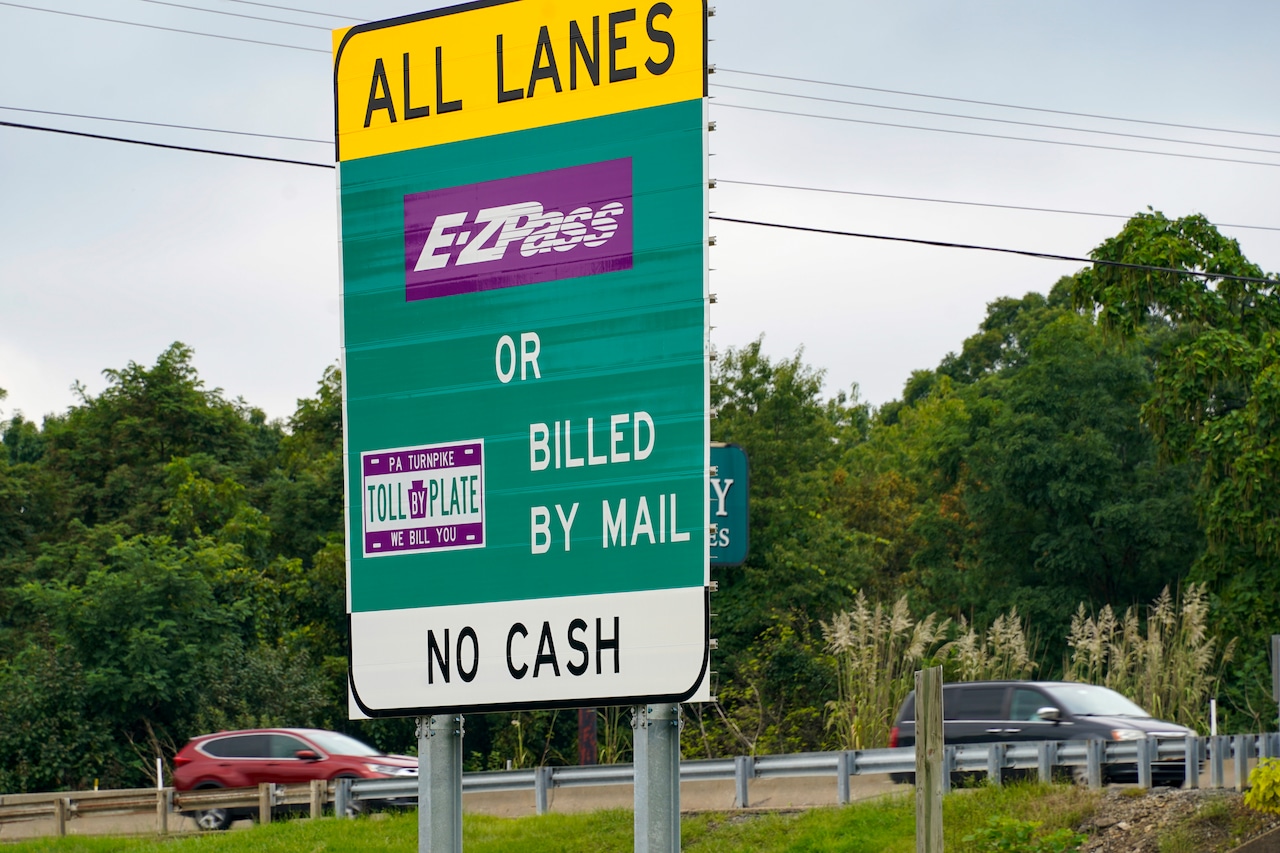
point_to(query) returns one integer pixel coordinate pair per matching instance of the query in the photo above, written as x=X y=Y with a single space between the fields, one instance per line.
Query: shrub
x=877 y=651
x=1170 y=669
x=1264 y=787
x=1010 y=835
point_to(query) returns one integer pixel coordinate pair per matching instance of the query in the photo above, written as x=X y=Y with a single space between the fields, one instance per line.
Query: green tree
x=1214 y=403
x=111 y=450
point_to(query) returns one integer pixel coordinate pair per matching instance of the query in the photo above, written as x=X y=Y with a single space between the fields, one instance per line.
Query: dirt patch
x=1164 y=820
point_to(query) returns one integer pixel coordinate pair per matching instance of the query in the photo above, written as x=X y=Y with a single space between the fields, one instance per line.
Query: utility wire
x=158 y=27
x=966 y=203
x=1002 y=106
x=164 y=145
x=1000 y=136
x=761 y=184
x=166 y=124
x=995 y=120
x=301 y=11
x=234 y=14
x=778 y=225
x=1023 y=252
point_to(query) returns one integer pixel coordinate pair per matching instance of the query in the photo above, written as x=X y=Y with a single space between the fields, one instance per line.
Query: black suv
x=1012 y=711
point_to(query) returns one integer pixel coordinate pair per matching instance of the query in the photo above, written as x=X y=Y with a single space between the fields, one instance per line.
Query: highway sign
x=523 y=209
x=728 y=505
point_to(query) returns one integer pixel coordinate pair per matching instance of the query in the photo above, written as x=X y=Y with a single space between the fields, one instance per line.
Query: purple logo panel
x=427 y=498
x=564 y=223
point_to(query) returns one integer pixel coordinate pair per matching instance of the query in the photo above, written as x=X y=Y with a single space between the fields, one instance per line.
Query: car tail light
x=179 y=760
x=893 y=737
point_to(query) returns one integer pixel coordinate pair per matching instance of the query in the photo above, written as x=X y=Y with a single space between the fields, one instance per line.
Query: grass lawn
x=881 y=826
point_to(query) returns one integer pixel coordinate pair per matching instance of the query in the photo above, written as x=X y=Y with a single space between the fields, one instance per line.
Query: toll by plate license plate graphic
x=426 y=498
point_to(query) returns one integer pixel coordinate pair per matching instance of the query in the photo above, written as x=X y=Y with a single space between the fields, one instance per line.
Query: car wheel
x=212 y=820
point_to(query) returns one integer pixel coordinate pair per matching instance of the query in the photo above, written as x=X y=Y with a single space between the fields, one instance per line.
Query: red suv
x=246 y=758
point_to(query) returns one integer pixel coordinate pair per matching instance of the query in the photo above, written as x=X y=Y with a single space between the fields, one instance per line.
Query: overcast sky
x=110 y=252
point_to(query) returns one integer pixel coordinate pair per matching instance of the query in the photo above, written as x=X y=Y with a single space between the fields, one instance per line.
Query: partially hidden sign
x=524 y=291
x=729 y=489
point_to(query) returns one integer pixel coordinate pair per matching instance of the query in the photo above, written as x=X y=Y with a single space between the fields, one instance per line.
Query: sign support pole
x=440 y=784
x=657 y=775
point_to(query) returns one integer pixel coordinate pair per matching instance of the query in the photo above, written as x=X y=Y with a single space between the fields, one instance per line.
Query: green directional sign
x=525 y=339
x=728 y=504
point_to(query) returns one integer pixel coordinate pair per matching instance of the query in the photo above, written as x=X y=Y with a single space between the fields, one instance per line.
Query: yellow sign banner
x=489 y=68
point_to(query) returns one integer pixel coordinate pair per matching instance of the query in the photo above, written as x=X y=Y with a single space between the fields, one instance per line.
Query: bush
x=1010 y=835
x=1264 y=787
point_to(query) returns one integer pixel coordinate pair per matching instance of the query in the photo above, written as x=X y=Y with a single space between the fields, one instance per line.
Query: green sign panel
x=728 y=505
x=525 y=338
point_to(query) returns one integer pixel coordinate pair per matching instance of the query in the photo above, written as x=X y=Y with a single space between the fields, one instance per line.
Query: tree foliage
x=172 y=562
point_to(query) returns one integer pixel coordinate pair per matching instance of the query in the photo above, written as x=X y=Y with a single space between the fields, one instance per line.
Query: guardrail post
x=319 y=788
x=743 y=769
x=264 y=802
x=1191 y=760
x=1095 y=750
x=1046 y=752
x=541 y=783
x=1145 y=746
x=342 y=796
x=60 y=808
x=948 y=768
x=1217 y=746
x=162 y=810
x=842 y=777
x=995 y=762
x=1240 y=752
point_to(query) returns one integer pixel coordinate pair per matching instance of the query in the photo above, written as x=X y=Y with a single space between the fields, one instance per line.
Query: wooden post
x=264 y=803
x=319 y=787
x=60 y=816
x=929 y=764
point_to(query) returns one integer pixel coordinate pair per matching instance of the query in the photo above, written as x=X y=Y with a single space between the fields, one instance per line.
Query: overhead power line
x=1067 y=143
x=998 y=120
x=1001 y=105
x=158 y=27
x=965 y=203
x=234 y=14
x=166 y=124
x=777 y=225
x=725 y=181
x=1023 y=252
x=129 y=141
x=300 y=11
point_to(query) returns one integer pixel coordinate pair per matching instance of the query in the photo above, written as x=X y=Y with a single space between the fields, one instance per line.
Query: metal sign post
x=440 y=784
x=657 y=778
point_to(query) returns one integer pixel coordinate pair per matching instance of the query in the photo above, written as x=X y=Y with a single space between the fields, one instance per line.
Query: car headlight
x=393 y=770
x=1127 y=734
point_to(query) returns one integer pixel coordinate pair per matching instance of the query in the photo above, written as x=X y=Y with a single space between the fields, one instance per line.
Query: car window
x=1026 y=703
x=284 y=746
x=974 y=703
x=237 y=746
x=336 y=743
x=1088 y=700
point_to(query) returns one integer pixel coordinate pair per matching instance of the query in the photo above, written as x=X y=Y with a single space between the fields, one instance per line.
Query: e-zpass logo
x=523 y=230
x=494 y=229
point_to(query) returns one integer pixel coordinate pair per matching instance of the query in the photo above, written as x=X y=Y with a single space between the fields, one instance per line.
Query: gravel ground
x=1164 y=820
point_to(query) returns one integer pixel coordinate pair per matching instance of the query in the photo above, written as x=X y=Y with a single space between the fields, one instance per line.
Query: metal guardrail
x=1086 y=760
x=992 y=759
